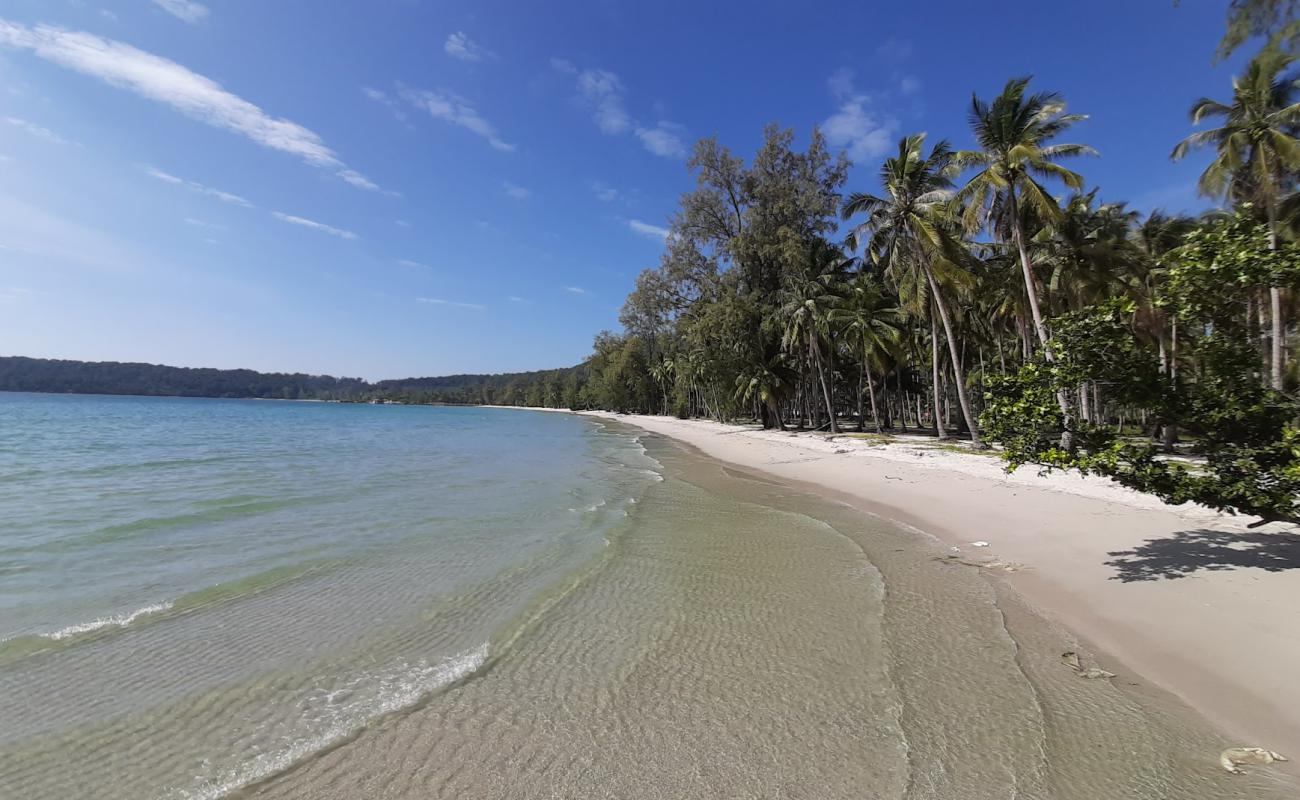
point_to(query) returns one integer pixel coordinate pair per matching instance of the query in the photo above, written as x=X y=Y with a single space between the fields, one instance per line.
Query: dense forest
x=19 y=374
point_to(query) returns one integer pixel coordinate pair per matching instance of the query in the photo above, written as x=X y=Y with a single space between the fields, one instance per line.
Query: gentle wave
x=394 y=690
x=118 y=620
x=23 y=645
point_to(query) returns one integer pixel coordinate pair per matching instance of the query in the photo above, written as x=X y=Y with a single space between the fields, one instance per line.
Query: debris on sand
x=1232 y=758
x=1071 y=660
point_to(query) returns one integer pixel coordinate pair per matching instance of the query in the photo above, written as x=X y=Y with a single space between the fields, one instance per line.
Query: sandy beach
x=1183 y=599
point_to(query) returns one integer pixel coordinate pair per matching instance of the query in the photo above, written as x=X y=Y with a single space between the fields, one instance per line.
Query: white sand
x=1223 y=634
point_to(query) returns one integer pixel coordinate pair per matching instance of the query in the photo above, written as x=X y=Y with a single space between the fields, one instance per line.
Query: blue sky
x=408 y=187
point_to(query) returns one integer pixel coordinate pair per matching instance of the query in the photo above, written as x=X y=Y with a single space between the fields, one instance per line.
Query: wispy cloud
x=855 y=126
x=460 y=46
x=456 y=110
x=604 y=93
x=186 y=10
x=172 y=84
x=576 y=290
x=406 y=262
x=605 y=194
x=646 y=229
x=40 y=132
x=313 y=224
x=664 y=139
x=195 y=186
x=198 y=223
x=909 y=84
x=514 y=298
x=438 y=301
x=516 y=191
x=385 y=100
x=9 y=294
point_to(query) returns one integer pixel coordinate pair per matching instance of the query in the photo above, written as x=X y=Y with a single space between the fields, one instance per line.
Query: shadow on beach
x=1188 y=552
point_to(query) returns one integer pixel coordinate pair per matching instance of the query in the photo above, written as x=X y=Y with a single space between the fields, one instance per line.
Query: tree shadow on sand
x=1187 y=552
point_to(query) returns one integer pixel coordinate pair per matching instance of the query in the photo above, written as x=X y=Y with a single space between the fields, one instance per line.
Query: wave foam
x=390 y=691
x=115 y=620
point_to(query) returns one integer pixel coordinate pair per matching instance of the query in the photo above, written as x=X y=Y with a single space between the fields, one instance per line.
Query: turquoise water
x=222 y=587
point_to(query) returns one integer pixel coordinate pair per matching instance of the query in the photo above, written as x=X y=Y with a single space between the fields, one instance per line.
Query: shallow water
x=462 y=603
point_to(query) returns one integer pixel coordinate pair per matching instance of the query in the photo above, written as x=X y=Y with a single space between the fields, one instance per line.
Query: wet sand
x=1193 y=602
x=746 y=638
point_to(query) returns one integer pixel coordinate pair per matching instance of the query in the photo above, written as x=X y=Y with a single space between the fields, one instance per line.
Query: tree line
x=21 y=374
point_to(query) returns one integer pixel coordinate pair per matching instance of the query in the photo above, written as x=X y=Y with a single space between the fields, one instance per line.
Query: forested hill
x=20 y=374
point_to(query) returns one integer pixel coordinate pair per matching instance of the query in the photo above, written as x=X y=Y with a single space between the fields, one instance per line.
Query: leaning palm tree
x=1256 y=152
x=908 y=230
x=1013 y=133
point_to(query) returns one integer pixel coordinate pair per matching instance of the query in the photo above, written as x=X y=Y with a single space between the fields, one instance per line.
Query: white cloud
x=167 y=82
x=576 y=290
x=664 y=139
x=646 y=229
x=515 y=191
x=383 y=98
x=841 y=82
x=605 y=194
x=198 y=223
x=856 y=129
x=406 y=262
x=195 y=186
x=438 y=301
x=401 y=223
x=460 y=46
x=314 y=225
x=604 y=91
x=910 y=84
x=40 y=132
x=360 y=181
x=9 y=294
x=514 y=298
x=186 y=10
x=457 y=111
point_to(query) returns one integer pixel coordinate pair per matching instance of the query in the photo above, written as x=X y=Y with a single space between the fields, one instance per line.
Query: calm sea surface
x=210 y=598
x=213 y=589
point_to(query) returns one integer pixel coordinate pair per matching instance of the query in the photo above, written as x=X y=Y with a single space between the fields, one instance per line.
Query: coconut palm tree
x=805 y=312
x=870 y=325
x=1256 y=154
x=908 y=233
x=1014 y=134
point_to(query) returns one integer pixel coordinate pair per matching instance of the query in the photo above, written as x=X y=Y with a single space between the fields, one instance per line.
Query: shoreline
x=1183 y=598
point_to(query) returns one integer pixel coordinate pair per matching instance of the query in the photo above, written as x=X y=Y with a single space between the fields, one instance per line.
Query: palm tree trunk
x=939 y=432
x=1062 y=399
x=821 y=377
x=1275 y=307
x=958 y=378
x=871 y=391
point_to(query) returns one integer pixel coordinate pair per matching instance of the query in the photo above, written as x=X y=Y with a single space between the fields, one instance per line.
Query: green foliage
x=1250 y=447
x=1211 y=276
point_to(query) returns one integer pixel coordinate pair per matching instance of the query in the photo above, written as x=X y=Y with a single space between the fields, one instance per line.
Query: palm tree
x=909 y=229
x=808 y=300
x=870 y=325
x=1013 y=133
x=1255 y=153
